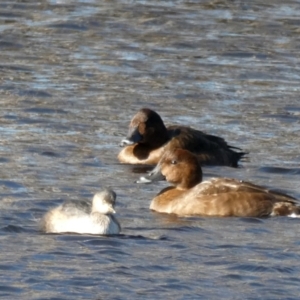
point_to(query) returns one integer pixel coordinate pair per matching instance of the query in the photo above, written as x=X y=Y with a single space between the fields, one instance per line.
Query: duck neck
x=191 y=179
x=159 y=137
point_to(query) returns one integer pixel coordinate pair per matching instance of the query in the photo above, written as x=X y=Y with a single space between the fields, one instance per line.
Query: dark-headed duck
x=149 y=138
x=215 y=197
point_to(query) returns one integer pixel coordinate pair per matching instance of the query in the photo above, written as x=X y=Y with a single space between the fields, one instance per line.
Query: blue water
x=73 y=73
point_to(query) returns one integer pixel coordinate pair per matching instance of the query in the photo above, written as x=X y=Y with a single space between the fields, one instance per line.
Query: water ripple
x=73 y=73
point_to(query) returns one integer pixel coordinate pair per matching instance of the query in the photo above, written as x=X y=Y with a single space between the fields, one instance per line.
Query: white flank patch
x=293 y=215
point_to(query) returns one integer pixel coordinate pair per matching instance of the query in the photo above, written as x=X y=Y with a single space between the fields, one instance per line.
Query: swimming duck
x=94 y=217
x=222 y=197
x=148 y=138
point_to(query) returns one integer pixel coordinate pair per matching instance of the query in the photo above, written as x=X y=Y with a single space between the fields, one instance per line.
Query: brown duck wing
x=217 y=186
x=210 y=149
x=228 y=185
x=231 y=197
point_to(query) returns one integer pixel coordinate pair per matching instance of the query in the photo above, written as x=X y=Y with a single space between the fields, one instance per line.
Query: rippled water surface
x=73 y=73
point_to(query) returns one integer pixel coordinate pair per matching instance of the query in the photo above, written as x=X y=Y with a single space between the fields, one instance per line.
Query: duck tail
x=295 y=212
x=286 y=209
x=237 y=157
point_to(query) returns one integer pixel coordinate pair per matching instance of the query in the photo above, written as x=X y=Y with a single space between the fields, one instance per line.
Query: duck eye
x=174 y=162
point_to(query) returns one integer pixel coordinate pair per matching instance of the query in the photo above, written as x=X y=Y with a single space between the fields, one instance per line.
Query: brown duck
x=149 y=138
x=222 y=197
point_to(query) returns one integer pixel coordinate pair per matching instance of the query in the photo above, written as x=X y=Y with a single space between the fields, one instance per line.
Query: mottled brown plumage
x=214 y=197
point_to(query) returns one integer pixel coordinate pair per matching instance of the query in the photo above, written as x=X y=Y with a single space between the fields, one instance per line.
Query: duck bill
x=133 y=137
x=154 y=175
x=111 y=210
